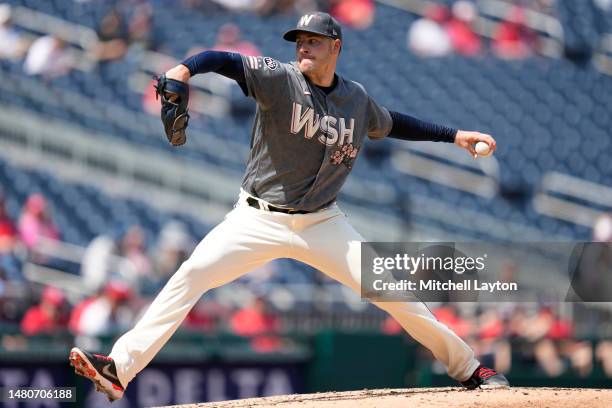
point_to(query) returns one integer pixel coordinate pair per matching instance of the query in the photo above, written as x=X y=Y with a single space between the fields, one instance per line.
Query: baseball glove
x=174 y=113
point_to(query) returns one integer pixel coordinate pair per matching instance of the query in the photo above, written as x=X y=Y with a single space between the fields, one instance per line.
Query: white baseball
x=482 y=149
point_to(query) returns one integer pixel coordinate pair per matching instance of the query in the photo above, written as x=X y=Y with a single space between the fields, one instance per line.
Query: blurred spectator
x=448 y=315
x=104 y=313
x=49 y=56
x=490 y=325
x=133 y=249
x=14 y=46
x=112 y=38
x=460 y=28
x=256 y=321
x=554 y=346
x=35 y=222
x=603 y=353
x=204 y=316
x=513 y=39
x=10 y=260
x=48 y=316
x=580 y=355
x=545 y=351
x=541 y=337
x=13 y=299
x=492 y=341
x=140 y=33
x=229 y=39
x=97 y=262
x=172 y=249
x=427 y=36
x=8 y=232
x=602 y=228
x=115 y=255
x=390 y=326
x=357 y=14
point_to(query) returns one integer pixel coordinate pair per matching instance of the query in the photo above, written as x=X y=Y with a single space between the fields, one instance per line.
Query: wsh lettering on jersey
x=331 y=130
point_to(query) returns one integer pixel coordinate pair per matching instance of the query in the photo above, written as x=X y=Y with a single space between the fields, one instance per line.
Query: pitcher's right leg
x=243 y=241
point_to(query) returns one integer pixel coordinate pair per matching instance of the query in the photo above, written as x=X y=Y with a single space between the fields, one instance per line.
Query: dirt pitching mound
x=431 y=397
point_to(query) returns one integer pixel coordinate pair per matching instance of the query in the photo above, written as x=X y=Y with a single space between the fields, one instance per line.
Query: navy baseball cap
x=316 y=23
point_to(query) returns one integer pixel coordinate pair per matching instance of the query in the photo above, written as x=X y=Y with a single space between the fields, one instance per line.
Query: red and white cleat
x=100 y=370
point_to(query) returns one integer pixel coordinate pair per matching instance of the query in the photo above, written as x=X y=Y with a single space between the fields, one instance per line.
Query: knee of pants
x=192 y=276
x=205 y=275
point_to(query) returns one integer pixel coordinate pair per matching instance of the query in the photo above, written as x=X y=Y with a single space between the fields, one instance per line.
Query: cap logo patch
x=272 y=64
x=305 y=20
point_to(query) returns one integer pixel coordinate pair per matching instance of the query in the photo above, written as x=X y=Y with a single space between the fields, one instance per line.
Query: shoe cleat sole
x=82 y=368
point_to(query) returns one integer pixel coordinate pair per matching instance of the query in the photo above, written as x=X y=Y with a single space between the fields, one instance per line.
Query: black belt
x=253 y=202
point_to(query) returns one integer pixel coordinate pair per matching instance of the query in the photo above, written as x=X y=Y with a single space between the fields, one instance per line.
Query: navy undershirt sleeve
x=406 y=127
x=228 y=64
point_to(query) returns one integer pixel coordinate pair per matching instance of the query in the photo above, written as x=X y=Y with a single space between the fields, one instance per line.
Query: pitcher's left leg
x=334 y=248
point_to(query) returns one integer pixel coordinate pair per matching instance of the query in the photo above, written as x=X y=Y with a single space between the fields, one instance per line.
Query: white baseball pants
x=248 y=238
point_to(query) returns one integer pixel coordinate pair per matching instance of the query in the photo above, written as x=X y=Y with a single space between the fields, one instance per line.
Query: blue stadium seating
x=547 y=115
x=82 y=211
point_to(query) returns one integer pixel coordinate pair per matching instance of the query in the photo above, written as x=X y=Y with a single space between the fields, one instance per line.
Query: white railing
x=76 y=286
x=572 y=199
x=72 y=33
x=80 y=38
x=602 y=57
x=479 y=177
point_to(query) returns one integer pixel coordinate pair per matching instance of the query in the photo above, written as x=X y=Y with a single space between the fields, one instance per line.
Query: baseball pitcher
x=309 y=129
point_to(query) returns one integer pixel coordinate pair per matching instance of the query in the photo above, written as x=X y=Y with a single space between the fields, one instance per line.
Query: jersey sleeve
x=265 y=79
x=379 y=120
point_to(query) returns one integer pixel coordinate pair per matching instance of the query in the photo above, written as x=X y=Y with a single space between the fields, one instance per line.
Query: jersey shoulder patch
x=262 y=63
x=270 y=63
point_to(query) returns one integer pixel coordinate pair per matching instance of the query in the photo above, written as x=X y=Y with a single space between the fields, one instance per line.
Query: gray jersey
x=304 y=142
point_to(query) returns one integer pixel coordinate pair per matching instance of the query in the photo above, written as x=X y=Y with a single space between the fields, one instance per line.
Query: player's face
x=314 y=52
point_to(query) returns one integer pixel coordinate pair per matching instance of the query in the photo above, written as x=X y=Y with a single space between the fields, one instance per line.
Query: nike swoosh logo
x=106 y=371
